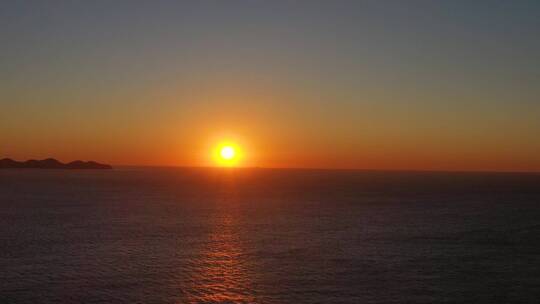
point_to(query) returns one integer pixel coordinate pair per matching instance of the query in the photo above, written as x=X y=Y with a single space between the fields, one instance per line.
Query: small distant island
x=50 y=163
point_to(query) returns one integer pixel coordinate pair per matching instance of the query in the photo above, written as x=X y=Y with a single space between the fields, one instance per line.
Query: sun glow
x=227 y=154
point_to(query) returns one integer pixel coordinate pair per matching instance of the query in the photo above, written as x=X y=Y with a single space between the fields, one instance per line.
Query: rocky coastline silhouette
x=50 y=163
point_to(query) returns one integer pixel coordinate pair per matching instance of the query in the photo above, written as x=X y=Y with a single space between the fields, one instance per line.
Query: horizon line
x=330 y=169
x=533 y=171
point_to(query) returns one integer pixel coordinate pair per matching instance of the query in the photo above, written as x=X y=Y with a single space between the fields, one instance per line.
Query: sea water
x=188 y=235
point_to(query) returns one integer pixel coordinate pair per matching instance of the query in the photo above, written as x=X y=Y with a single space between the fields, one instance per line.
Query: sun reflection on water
x=222 y=273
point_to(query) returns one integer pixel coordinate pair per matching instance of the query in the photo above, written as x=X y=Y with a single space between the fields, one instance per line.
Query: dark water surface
x=268 y=236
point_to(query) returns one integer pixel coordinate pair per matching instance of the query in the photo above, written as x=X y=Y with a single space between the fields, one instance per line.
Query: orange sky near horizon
x=366 y=137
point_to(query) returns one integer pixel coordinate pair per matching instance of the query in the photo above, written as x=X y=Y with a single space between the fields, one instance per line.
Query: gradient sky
x=444 y=85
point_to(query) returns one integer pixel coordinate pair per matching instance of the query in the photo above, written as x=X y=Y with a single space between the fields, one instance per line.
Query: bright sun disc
x=227 y=152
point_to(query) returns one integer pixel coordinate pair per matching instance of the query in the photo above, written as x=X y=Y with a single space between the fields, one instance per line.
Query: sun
x=227 y=154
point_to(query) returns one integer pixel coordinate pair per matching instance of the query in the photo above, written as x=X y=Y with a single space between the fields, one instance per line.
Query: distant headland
x=50 y=163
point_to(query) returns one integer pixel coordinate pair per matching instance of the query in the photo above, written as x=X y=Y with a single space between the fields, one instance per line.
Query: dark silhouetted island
x=50 y=163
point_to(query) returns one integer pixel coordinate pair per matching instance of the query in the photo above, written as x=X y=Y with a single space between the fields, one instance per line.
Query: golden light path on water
x=222 y=273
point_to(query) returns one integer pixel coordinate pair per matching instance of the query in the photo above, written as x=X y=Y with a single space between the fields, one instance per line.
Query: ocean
x=194 y=235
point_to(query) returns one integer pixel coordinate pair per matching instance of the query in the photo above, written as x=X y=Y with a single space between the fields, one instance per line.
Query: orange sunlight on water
x=223 y=273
